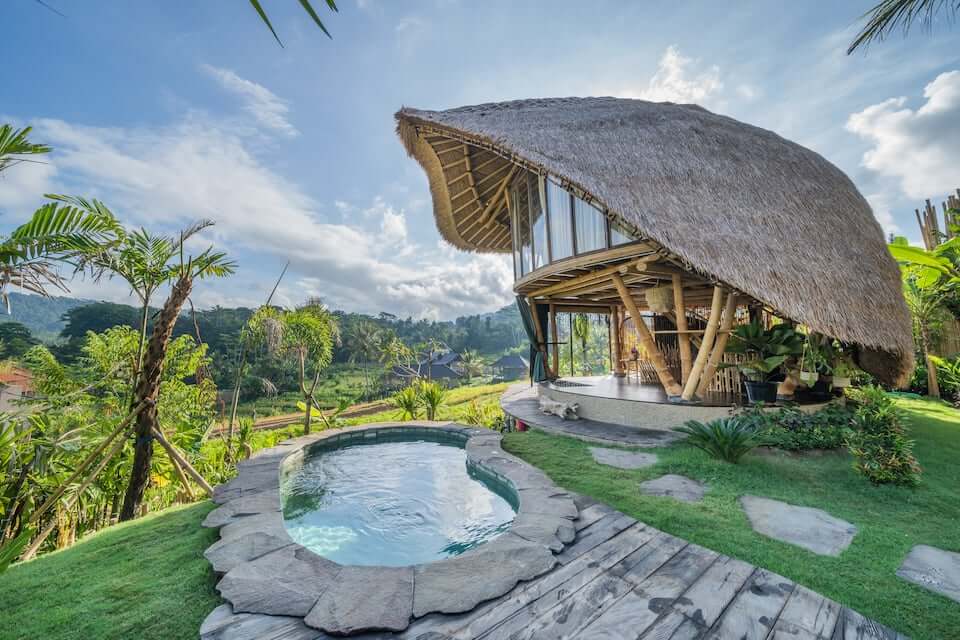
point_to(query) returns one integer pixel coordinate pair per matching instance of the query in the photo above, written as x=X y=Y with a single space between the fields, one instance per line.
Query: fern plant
x=728 y=439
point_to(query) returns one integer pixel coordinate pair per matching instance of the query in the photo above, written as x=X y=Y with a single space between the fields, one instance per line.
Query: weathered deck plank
x=637 y=611
x=597 y=533
x=806 y=616
x=754 y=611
x=707 y=598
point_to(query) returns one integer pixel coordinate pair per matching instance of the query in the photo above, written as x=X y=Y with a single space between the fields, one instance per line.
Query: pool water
x=393 y=503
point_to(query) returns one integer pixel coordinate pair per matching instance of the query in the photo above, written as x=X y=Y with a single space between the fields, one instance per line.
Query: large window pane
x=520 y=202
x=618 y=236
x=561 y=231
x=538 y=222
x=591 y=228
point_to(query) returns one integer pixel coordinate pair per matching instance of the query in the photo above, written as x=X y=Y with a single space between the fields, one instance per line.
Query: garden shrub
x=479 y=414
x=794 y=430
x=726 y=438
x=878 y=440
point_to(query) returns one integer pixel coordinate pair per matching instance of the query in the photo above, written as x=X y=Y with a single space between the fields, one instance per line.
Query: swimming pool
x=400 y=500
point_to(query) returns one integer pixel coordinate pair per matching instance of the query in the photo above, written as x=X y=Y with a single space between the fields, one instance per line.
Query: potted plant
x=813 y=360
x=843 y=371
x=766 y=351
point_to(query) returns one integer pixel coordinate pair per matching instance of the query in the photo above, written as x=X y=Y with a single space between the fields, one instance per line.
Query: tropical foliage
x=879 y=442
x=727 y=439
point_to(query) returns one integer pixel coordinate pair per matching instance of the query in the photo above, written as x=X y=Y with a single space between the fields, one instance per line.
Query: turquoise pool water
x=393 y=503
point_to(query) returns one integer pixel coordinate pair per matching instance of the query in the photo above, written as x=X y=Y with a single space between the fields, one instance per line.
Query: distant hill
x=43 y=316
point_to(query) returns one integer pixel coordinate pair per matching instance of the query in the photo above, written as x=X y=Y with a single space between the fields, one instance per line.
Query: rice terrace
x=440 y=320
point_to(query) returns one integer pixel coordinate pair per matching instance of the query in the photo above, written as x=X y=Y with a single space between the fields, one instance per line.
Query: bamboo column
x=540 y=341
x=683 y=338
x=615 y=335
x=554 y=337
x=729 y=314
x=179 y=459
x=703 y=353
x=647 y=340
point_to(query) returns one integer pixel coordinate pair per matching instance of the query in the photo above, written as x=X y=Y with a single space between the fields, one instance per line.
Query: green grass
x=145 y=579
x=890 y=519
x=455 y=403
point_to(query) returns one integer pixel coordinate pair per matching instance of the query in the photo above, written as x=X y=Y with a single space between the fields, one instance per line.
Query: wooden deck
x=619 y=579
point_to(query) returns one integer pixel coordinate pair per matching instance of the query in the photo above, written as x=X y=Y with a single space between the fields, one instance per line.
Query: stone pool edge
x=264 y=571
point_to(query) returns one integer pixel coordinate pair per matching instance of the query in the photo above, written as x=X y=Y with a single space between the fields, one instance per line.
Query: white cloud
x=411 y=31
x=919 y=148
x=677 y=79
x=266 y=108
x=165 y=177
x=882 y=205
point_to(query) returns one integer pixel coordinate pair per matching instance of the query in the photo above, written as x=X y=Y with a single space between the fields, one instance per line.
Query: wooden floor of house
x=619 y=579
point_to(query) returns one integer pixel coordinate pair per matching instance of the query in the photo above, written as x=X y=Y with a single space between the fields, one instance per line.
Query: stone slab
x=812 y=529
x=622 y=459
x=674 y=486
x=460 y=583
x=365 y=599
x=225 y=554
x=933 y=569
x=286 y=582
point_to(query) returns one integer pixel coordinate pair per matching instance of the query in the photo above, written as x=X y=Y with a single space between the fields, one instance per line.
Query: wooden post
x=176 y=455
x=683 y=339
x=615 y=336
x=703 y=353
x=647 y=340
x=716 y=356
x=554 y=337
x=540 y=341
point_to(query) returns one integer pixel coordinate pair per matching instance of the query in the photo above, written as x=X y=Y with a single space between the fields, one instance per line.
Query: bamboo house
x=674 y=222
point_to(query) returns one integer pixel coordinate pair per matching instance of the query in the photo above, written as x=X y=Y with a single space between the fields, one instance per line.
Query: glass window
x=514 y=233
x=591 y=227
x=561 y=222
x=618 y=236
x=538 y=222
x=519 y=196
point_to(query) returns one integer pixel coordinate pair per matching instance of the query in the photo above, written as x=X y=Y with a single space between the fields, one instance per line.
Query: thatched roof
x=741 y=204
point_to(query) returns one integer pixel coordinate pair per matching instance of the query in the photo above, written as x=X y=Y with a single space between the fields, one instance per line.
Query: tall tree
x=365 y=341
x=151 y=360
x=308 y=333
x=14 y=146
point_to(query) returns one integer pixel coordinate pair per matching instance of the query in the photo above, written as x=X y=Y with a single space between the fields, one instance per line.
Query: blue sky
x=175 y=111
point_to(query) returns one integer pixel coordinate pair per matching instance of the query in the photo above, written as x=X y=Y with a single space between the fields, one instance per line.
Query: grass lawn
x=890 y=519
x=145 y=579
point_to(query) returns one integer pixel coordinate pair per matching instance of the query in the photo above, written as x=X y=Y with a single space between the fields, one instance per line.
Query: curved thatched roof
x=743 y=205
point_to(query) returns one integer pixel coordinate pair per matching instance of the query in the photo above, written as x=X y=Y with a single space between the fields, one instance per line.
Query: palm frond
x=888 y=15
x=14 y=142
x=307 y=6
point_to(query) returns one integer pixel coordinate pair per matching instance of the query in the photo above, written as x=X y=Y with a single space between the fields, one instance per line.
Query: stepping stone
x=812 y=529
x=677 y=487
x=622 y=459
x=933 y=569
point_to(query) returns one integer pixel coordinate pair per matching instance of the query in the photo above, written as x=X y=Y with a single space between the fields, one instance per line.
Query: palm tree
x=472 y=363
x=925 y=302
x=365 y=341
x=581 y=331
x=890 y=14
x=146 y=391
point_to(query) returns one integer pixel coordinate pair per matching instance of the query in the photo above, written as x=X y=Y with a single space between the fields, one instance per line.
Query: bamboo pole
x=184 y=481
x=172 y=451
x=683 y=339
x=554 y=337
x=615 y=334
x=703 y=353
x=647 y=340
x=729 y=313
x=86 y=462
x=32 y=549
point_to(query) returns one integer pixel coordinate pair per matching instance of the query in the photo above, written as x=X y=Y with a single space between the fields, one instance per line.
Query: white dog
x=560 y=409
